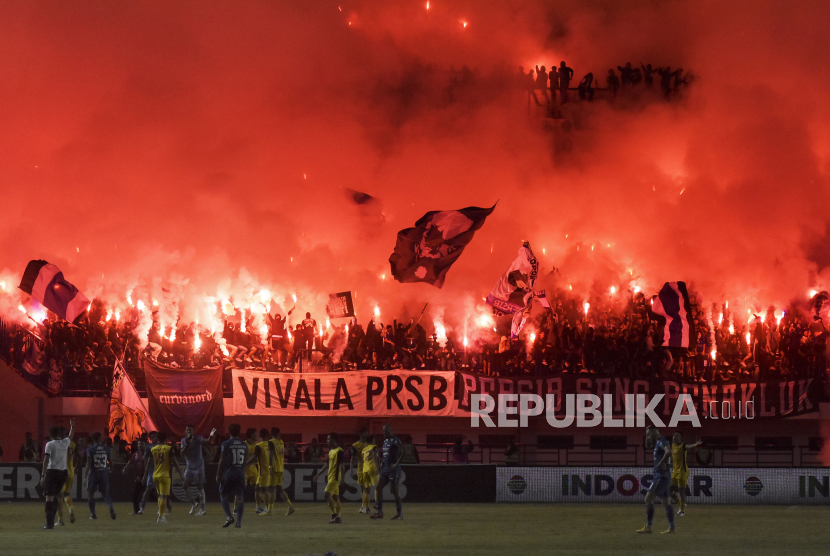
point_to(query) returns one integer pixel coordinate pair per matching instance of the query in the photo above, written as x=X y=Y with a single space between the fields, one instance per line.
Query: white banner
x=358 y=394
x=628 y=484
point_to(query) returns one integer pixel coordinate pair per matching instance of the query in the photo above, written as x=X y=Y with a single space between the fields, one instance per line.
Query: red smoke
x=206 y=149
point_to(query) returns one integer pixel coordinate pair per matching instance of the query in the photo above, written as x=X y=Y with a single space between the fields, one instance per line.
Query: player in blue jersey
x=390 y=471
x=661 y=479
x=192 y=446
x=98 y=467
x=231 y=475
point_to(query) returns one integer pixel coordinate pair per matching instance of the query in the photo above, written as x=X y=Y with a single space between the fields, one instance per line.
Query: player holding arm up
x=193 y=447
x=680 y=470
x=54 y=473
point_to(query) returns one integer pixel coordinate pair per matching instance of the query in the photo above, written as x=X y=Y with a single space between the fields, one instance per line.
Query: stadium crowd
x=610 y=339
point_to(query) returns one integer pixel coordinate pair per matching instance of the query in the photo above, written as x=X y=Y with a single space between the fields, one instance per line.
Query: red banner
x=359 y=394
x=181 y=397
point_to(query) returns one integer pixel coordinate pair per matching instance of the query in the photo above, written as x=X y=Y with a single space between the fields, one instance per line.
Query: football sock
x=162 y=506
x=365 y=498
x=337 y=506
x=240 y=507
x=398 y=508
x=68 y=501
x=380 y=503
x=226 y=507
x=286 y=498
x=58 y=509
x=670 y=516
x=650 y=514
x=332 y=506
x=91 y=503
x=50 y=514
x=202 y=498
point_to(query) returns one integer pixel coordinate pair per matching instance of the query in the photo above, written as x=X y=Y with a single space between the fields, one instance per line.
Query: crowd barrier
x=629 y=484
x=419 y=483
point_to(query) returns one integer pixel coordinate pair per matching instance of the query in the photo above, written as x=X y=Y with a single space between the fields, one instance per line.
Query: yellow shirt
x=264 y=457
x=70 y=459
x=335 y=459
x=678 y=458
x=161 y=458
x=357 y=448
x=251 y=448
x=369 y=467
x=279 y=455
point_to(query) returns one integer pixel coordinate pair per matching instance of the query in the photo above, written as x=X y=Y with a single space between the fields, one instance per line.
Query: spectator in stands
x=313 y=453
x=666 y=76
x=565 y=76
x=625 y=74
x=585 y=87
x=30 y=450
x=553 y=83
x=511 y=453
x=292 y=454
x=410 y=452
x=530 y=86
x=309 y=330
x=460 y=451
x=648 y=75
x=613 y=82
x=542 y=82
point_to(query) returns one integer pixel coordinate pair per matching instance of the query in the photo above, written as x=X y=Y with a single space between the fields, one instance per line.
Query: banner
x=712 y=400
x=356 y=394
x=129 y=418
x=340 y=305
x=181 y=397
x=628 y=484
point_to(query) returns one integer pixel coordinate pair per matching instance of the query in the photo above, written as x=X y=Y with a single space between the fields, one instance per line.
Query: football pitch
x=430 y=529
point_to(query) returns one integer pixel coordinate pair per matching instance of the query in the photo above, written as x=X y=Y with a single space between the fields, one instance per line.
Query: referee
x=54 y=473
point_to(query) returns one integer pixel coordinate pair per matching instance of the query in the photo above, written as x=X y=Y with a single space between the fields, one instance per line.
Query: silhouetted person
x=553 y=82
x=309 y=330
x=542 y=82
x=613 y=82
x=565 y=76
x=678 y=79
x=648 y=75
x=666 y=75
x=625 y=74
x=585 y=87
x=530 y=85
x=636 y=76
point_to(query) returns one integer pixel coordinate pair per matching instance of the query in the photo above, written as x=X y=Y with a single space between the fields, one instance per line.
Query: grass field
x=432 y=529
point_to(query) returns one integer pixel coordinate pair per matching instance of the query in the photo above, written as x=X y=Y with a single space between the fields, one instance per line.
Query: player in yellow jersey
x=277 y=469
x=66 y=494
x=163 y=458
x=264 y=456
x=680 y=470
x=371 y=468
x=251 y=470
x=357 y=457
x=335 y=475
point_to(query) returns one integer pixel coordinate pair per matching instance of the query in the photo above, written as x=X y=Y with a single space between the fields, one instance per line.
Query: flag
x=542 y=297
x=514 y=289
x=128 y=416
x=672 y=306
x=518 y=323
x=340 y=305
x=45 y=282
x=359 y=197
x=426 y=252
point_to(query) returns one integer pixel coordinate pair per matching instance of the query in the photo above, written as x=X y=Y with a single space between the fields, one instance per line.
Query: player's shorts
x=70 y=479
x=98 y=481
x=660 y=486
x=680 y=478
x=251 y=474
x=277 y=479
x=333 y=488
x=162 y=485
x=232 y=484
x=370 y=479
x=361 y=478
x=194 y=476
x=54 y=481
x=265 y=481
x=392 y=475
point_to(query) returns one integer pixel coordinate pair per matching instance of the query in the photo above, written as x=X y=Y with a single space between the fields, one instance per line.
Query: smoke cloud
x=208 y=149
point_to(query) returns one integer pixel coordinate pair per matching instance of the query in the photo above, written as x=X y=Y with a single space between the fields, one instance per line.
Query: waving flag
x=128 y=416
x=45 y=282
x=514 y=290
x=672 y=306
x=426 y=252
